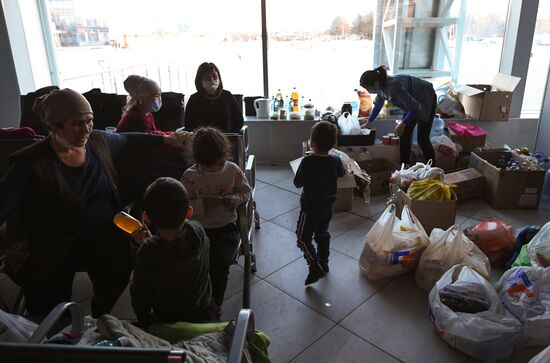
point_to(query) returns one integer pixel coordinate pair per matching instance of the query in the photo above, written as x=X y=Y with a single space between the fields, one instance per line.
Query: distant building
x=73 y=31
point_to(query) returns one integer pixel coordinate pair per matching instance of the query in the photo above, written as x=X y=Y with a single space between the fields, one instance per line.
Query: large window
x=98 y=43
x=538 y=63
x=320 y=50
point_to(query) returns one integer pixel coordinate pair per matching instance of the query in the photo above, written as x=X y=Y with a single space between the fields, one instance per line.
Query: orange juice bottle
x=365 y=102
x=294 y=96
x=126 y=222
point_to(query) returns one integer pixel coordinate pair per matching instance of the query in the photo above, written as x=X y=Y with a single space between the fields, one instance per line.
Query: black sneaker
x=315 y=273
x=324 y=266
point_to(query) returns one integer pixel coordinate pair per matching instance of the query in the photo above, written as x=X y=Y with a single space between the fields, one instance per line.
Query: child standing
x=171 y=281
x=317 y=174
x=216 y=188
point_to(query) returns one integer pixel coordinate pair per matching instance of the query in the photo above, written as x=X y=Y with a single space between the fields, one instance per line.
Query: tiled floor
x=344 y=317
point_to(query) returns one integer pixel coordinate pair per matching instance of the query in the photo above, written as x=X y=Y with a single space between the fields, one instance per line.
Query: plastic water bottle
x=438 y=126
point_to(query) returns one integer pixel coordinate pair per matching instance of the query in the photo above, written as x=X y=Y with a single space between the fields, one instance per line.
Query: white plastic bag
x=15 y=328
x=446 y=249
x=445 y=147
x=525 y=291
x=419 y=171
x=487 y=335
x=349 y=124
x=393 y=246
x=351 y=167
x=539 y=247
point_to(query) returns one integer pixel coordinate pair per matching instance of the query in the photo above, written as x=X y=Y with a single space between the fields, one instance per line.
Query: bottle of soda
x=126 y=222
x=295 y=98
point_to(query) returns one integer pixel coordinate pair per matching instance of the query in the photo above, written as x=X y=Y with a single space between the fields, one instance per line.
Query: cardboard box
x=430 y=214
x=468 y=143
x=507 y=188
x=469 y=184
x=344 y=194
x=379 y=171
x=483 y=104
x=445 y=162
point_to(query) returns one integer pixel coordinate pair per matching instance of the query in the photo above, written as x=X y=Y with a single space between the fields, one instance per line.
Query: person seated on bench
x=144 y=98
x=171 y=281
x=216 y=188
x=63 y=193
x=212 y=105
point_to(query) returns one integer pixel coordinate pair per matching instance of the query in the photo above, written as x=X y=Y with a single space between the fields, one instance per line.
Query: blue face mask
x=156 y=105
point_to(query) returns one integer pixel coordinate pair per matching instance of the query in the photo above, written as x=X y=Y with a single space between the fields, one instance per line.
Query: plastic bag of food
x=351 y=167
x=430 y=189
x=539 y=247
x=446 y=249
x=349 y=124
x=478 y=325
x=445 y=147
x=542 y=357
x=393 y=246
x=495 y=238
x=404 y=177
x=525 y=291
x=15 y=328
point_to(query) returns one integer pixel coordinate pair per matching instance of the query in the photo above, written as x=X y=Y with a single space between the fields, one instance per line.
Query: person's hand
x=400 y=128
x=365 y=124
x=140 y=235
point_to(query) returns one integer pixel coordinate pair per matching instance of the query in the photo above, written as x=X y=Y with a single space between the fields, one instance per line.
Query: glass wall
x=320 y=50
x=538 y=63
x=165 y=40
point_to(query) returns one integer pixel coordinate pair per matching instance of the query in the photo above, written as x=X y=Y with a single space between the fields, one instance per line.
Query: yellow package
x=430 y=189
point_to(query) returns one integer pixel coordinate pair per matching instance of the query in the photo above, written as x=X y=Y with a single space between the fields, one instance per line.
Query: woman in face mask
x=415 y=96
x=211 y=105
x=63 y=192
x=144 y=98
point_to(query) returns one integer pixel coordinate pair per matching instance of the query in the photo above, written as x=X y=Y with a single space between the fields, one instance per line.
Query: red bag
x=466 y=129
x=495 y=238
x=17 y=133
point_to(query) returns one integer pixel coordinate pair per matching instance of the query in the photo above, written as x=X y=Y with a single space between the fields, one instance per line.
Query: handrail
x=77 y=316
x=244 y=330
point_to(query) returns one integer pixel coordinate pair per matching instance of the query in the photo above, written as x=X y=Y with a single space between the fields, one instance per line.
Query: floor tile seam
x=376 y=291
x=343 y=253
x=241 y=289
x=273 y=184
x=302 y=303
x=279 y=269
x=371 y=343
x=316 y=340
x=278 y=215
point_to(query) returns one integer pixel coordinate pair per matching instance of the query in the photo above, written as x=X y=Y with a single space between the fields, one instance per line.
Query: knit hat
x=61 y=105
x=138 y=86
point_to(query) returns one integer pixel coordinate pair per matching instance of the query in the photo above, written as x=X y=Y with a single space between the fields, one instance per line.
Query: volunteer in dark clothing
x=212 y=105
x=58 y=198
x=415 y=97
x=171 y=275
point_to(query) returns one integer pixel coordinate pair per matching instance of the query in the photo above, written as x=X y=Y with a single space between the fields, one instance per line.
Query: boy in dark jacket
x=317 y=174
x=171 y=281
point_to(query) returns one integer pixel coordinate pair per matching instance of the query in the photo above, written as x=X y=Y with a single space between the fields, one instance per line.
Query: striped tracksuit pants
x=312 y=223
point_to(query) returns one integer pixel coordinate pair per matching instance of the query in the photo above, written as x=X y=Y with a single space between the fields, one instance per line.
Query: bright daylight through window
x=321 y=51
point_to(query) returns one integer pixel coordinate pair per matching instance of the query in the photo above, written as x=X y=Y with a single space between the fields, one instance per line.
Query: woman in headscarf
x=144 y=98
x=60 y=196
x=212 y=105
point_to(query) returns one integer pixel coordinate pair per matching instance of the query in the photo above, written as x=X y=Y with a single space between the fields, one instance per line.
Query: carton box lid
x=501 y=82
x=504 y=82
x=347 y=181
x=462 y=175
